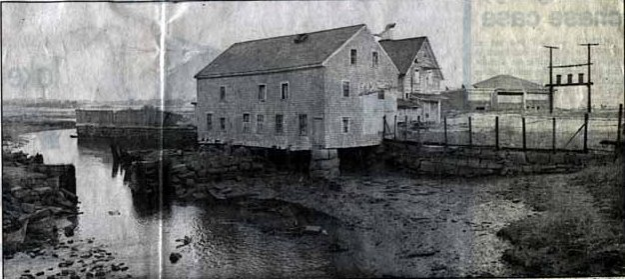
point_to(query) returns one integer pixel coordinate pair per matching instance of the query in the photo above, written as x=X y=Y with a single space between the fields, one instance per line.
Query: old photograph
x=313 y=139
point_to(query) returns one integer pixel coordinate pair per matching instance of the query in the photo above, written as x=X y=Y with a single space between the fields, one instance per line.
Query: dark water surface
x=223 y=245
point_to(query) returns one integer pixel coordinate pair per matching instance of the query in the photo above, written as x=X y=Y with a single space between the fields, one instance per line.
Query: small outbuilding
x=506 y=92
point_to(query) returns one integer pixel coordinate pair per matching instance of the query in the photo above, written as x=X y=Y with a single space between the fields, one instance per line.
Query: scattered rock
x=68 y=231
x=313 y=229
x=174 y=257
x=114 y=212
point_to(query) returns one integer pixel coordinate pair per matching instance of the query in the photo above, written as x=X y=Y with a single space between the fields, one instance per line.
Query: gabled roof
x=508 y=82
x=404 y=51
x=279 y=53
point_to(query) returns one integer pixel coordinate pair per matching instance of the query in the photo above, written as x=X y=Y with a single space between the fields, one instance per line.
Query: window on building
x=279 y=124
x=381 y=94
x=209 y=121
x=284 y=90
x=345 y=124
x=222 y=93
x=262 y=92
x=222 y=123
x=303 y=124
x=260 y=123
x=374 y=58
x=345 y=88
x=417 y=76
x=353 y=56
x=246 y=123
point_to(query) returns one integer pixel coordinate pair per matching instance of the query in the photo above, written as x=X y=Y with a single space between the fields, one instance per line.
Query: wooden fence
x=514 y=131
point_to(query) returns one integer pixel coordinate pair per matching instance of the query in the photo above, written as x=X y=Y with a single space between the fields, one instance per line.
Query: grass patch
x=579 y=232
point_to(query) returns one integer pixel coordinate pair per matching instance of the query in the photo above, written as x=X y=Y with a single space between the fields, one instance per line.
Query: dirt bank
x=579 y=231
x=15 y=126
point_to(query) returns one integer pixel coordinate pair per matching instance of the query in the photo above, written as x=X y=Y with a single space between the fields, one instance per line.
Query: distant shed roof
x=279 y=53
x=508 y=82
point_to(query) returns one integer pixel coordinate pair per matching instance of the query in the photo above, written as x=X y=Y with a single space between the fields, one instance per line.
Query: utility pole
x=589 y=83
x=570 y=81
x=551 y=48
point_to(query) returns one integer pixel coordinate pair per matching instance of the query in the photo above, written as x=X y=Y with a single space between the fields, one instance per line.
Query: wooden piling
x=586 y=133
x=419 y=128
x=524 y=134
x=619 y=144
x=406 y=127
x=383 y=126
x=445 y=129
x=553 y=134
x=497 y=132
x=395 y=128
x=470 y=133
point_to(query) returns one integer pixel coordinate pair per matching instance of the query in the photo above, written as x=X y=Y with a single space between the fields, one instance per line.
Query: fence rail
x=514 y=132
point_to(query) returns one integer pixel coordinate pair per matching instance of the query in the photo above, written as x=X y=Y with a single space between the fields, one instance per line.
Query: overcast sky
x=106 y=51
x=111 y=51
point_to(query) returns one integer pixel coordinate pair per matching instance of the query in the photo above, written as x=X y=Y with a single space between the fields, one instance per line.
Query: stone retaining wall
x=192 y=172
x=146 y=137
x=484 y=161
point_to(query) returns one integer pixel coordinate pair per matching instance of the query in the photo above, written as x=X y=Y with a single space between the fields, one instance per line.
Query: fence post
x=384 y=127
x=553 y=134
x=524 y=137
x=419 y=128
x=497 y=132
x=445 y=124
x=618 y=130
x=406 y=127
x=470 y=133
x=585 y=132
x=395 y=129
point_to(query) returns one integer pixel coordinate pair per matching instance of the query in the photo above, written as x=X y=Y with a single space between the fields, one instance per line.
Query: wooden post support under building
x=497 y=132
x=586 y=133
x=470 y=133
x=445 y=124
x=553 y=134
x=524 y=136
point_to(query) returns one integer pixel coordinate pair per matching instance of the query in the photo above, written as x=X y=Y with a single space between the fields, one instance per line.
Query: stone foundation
x=470 y=162
x=324 y=164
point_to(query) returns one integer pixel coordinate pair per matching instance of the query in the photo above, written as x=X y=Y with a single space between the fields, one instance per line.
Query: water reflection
x=144 y=233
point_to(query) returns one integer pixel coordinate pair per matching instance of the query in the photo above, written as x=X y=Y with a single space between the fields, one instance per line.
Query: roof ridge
x=293 y=34
x=404 y=39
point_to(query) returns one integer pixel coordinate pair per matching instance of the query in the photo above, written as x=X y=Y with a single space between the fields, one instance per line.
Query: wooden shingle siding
x=365 y=111
x=305 y=97
x=315 y=95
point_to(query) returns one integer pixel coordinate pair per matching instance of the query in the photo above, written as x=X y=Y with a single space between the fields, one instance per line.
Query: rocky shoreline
x=40 y=210
x=34 y=195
